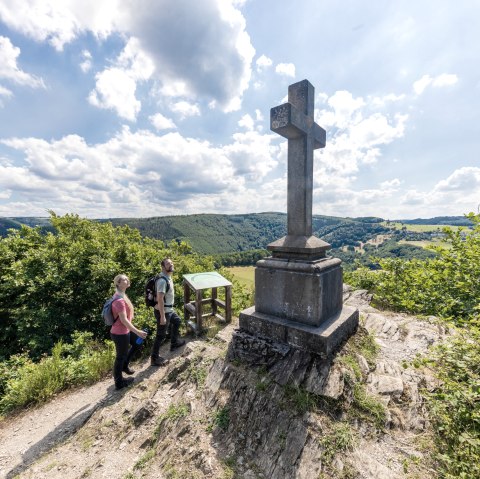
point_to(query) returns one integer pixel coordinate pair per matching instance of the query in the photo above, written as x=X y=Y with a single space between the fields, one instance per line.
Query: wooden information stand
x=195 y=284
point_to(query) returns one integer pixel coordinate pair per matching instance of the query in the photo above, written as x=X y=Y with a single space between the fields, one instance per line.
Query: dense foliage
x=447 y=286
x=24 y=382
x=54 y=284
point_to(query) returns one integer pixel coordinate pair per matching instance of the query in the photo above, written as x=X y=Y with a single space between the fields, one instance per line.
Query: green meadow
x=244 y=274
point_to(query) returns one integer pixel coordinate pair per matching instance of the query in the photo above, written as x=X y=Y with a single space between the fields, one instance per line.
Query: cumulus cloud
x=439 y=81
x=263 y=62
x=185 y=109
x=246 y=122
x=160 y=122
x=9 y=69
x=86 y=64
x=115 y=90
x=357 y=133
x=466 y=179
x=5 y=93
x=179 y=38
x=183 y=49
x=286 y=69
x=116 y=86
x=386 y=185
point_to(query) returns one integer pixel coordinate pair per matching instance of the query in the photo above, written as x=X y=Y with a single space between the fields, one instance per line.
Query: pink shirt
x=118 y=306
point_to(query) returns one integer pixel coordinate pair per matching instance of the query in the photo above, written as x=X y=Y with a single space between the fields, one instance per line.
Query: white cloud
x=439 y=81
x=384 y=100
x=5 y=93
x=185 y=109
x=445 y=80
x=116 y=86
x=466 y=179
x=9 y=69
x=135 y=61
x=180 y=50
x=115 y=90
x=263 y=62
x=136 y=171
x=391 y=184
x=86 y=64
x=246 y=122
x=286 y=69
x=160 y=122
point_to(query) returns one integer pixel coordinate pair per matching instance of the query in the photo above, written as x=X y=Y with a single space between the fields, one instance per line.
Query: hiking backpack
x=107 y=313
x=151 y=290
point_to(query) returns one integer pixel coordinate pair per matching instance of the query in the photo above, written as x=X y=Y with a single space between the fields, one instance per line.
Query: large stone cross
x=294 y=121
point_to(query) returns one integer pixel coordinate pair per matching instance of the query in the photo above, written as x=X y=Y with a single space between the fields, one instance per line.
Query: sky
x=121 y=108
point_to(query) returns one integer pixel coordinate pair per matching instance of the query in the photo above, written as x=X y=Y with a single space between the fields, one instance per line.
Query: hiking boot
x=158 y=361
x=177 y=344
x=128 y=371
x=124 y=384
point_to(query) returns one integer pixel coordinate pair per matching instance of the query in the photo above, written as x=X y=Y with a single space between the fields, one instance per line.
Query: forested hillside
x=242 y=239
x=217 y=234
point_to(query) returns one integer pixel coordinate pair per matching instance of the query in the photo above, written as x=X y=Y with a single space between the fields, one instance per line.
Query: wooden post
x=228 y=304
x=214 y=301
x=186 y=300
x=198 y=310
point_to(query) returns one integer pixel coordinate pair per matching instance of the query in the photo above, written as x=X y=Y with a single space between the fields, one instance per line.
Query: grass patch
x=244 y=274
x=143 y=461
x=340 y=438
x=85 y=361
x=301 y=400
x=367 y=407
x=220 y=419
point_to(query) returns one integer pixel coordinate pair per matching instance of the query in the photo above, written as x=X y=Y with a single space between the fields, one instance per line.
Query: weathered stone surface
x=383 y=384
x=305 y=292
x=143 y=413
x=323 y=340
x=371 y=468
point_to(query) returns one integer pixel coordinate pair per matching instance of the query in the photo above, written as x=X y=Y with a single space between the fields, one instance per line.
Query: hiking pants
x=172 y=325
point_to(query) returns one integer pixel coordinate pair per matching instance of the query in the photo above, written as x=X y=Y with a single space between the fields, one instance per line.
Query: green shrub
x=445 y=286
x=82 y=362
x=454 y=406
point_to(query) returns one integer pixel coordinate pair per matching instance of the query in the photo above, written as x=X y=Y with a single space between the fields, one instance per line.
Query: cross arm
x=291 y=123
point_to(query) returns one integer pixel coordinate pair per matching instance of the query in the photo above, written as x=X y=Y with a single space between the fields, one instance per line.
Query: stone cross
x=294 y=121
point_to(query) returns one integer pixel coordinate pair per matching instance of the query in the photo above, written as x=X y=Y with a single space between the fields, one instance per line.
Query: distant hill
x=216 y=234
x=220 y=234
x=17 y=222
x=439 y=220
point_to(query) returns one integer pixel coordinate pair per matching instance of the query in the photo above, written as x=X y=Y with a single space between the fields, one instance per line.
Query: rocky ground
x=210 y=413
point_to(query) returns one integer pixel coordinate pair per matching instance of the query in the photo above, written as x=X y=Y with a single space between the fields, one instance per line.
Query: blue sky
x=113 y=108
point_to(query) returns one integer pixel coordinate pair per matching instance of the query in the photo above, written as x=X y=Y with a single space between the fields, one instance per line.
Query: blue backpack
x=107 y=313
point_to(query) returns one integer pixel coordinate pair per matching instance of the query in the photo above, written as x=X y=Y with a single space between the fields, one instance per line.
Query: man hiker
x=167 y=318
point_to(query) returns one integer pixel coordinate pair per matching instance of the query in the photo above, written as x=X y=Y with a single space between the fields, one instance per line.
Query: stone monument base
x=323 y=340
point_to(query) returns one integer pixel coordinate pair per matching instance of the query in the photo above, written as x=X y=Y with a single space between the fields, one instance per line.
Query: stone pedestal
x=321 y=340
x=300 y=291
x=299 y=303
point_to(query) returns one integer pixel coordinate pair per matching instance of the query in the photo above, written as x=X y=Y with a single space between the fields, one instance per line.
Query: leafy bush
x=454 y=406
x=82 y=362
x=447 y=285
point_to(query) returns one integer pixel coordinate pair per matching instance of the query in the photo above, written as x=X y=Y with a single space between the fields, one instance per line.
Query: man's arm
x=159 y=306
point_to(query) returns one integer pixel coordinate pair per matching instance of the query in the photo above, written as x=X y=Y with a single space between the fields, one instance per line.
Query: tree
x=55 y=283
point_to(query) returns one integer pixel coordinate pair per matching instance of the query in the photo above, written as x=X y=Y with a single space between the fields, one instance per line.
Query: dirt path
x=34 y=432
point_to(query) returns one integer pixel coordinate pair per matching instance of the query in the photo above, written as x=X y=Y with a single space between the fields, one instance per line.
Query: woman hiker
x=123 y=332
